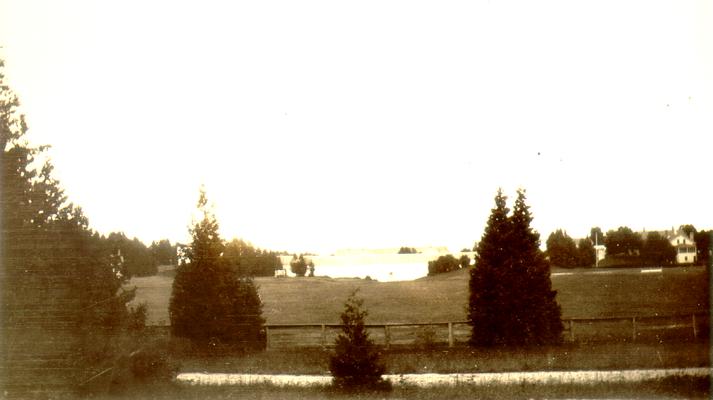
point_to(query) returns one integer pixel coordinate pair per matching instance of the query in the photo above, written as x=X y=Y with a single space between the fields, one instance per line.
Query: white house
x=685 y=246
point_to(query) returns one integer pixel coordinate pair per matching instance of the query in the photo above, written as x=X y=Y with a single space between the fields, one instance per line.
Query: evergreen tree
x=210 y=304
x=536 y=311
x=511 y=298
x=60 y=299
x=355 y=364
x=487 y=279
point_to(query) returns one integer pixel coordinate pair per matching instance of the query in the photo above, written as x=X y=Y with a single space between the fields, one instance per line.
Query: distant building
x=600 y=251
x=685 y=247
x=684 y=244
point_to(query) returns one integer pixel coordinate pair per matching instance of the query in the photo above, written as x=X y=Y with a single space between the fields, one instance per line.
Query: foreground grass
x=594 y=356
x=444 y=297
x=677 y=387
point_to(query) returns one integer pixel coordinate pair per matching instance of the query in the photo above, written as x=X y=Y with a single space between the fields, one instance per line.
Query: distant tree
x=443 y=264
x=210 y=304
x=464 y=261
x=355 y=364
x=688 y=229
x=703 y=241
x=585 y=253
x=138 y=259
x=163 y=252
x=298 y=265
x=249 y=261
x=561 y=249
x=407 y=250
x=511 y=298
x=465 y=250
x=657 y=250
x=623 y=242
x=596 y=236
x=310 y=268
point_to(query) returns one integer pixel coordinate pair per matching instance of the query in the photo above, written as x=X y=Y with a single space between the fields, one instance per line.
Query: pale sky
x=318 y=125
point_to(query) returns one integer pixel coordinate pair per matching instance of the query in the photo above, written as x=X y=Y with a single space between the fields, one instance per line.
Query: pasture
x=580 y=293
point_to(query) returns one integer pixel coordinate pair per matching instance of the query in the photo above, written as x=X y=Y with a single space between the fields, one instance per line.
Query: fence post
x=267 y=337
x=387 y=336
x=633 y=329
x=695 y=328
x=450 y=334
x=571 y=330
x=324 y=336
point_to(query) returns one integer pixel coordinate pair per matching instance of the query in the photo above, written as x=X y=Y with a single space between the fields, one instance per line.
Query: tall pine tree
x=536 y=308
x=210 y=303
x=488 y=276
x=511 y=298
x=62 y=308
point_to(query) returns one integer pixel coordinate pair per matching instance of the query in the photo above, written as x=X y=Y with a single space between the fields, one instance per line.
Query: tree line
x=623 y=247
x=248 y=260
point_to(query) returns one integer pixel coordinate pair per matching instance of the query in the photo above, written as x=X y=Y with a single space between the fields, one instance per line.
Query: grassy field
x=444 y=297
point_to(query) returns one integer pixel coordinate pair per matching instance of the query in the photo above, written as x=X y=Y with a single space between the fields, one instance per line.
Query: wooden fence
x=630 y=328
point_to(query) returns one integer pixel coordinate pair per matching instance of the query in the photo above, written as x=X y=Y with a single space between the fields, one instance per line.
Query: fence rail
x=452 y=332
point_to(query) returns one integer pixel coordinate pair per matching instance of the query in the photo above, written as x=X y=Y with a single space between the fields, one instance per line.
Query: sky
x=321 y=125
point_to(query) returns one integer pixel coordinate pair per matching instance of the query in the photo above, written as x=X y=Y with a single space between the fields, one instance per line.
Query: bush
x=355 y=364
x=443 y=264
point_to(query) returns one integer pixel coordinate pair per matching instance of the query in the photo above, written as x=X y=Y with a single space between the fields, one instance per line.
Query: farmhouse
x=685 y=246
x=683 y=243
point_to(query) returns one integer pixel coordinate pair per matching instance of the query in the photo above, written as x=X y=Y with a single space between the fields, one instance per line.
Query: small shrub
x=355 y=364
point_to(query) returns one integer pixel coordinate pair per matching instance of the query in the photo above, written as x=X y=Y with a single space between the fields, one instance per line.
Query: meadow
x=580 y=293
